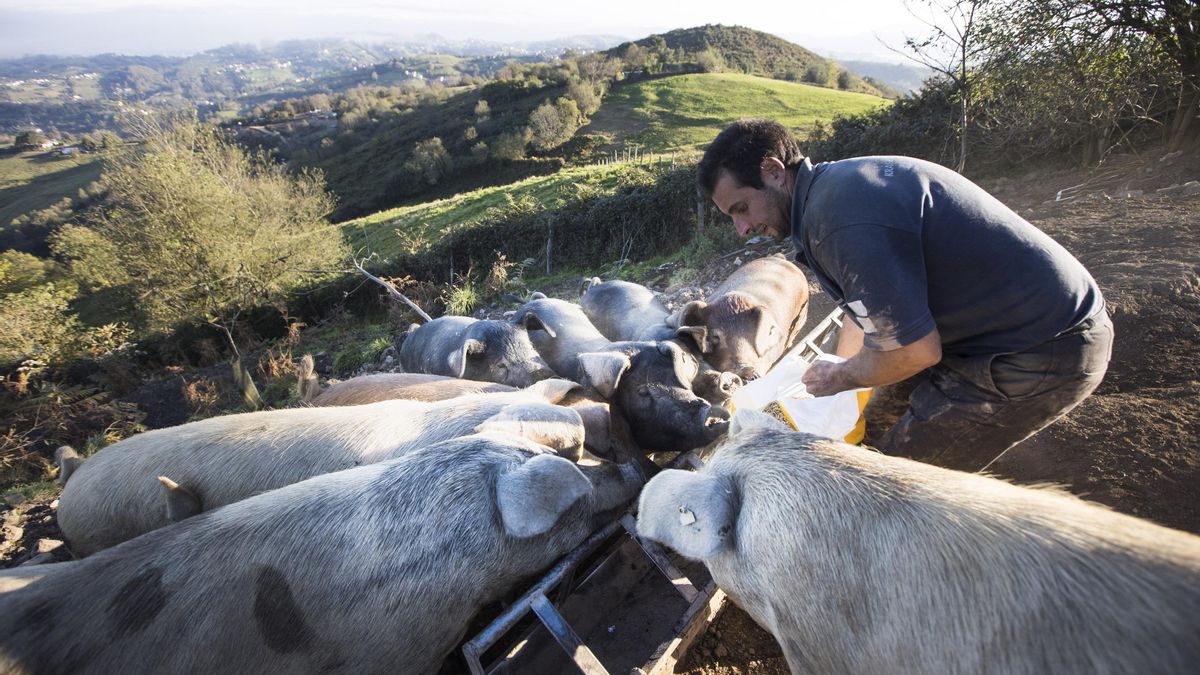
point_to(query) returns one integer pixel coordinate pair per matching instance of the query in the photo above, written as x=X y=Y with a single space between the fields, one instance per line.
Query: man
x=1001 y=330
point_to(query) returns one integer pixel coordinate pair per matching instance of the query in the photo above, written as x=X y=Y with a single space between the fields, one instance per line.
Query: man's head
x=748 y=172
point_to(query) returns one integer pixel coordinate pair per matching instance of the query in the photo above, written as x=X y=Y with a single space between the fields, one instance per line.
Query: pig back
x=857 y=562
x=775 y=284
x=277 y=583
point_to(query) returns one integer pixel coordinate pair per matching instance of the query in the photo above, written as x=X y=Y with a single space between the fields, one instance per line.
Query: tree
x=1171 y=26
x=953 y=47
x=483 y=111
x=552 y=124
x=30 y=138
x=511 y=144
x=196 y=229
x=430 y=160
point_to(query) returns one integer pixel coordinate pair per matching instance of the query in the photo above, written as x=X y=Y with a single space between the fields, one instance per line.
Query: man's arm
x=873 y=368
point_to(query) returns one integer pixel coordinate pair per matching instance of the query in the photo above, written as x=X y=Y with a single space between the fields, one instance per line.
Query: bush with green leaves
x=194 y=228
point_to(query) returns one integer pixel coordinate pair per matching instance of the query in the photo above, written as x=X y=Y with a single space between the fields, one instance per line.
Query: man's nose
x=743 y=226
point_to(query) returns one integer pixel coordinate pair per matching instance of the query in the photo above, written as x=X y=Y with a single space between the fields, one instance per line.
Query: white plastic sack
x=829 y=416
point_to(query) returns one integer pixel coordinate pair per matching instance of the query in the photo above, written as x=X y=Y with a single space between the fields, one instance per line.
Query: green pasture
x=411 y=229
x=30 y=181
x=687 y=111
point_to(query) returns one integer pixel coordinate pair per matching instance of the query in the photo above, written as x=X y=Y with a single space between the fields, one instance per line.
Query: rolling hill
x=687 y=111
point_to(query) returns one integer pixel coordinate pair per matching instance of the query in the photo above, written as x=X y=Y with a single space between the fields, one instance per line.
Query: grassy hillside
x=409 y=230
x=745 y=50
x=30 y=181
x=687 y=111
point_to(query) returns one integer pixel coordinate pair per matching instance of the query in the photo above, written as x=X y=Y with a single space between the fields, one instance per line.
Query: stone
x=13 y=498
x=1190 y=188
x=1169 y=191
x=12 y=532
x=722 y=652
x=47 y=545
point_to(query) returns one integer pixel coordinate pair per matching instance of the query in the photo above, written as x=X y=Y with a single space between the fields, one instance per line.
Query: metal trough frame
x=704 y=604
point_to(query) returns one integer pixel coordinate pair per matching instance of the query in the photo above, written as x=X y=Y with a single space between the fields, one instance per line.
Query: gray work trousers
x=965 y=412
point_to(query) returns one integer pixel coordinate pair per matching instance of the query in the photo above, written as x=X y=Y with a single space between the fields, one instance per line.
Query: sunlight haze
x=843 y=30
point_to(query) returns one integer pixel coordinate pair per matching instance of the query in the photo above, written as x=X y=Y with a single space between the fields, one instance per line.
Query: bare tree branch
x=394 y=291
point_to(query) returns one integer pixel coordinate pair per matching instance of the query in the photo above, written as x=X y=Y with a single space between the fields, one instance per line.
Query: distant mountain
x=904 y=78
x=754 y=52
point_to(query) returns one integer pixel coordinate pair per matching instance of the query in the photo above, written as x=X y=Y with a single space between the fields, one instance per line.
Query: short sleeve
x=881 y=272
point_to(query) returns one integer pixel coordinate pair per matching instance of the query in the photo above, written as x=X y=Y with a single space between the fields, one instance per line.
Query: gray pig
x=488 y=350
x=116 y=494
x=386 y=386
x=377 y=569
x=862 y=563
x=647 y=383
x=623 y=310
x=599 y=436
x=751 y=319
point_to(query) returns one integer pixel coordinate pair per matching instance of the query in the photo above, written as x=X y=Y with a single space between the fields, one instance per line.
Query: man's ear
x=772 y=171
x=604 y=370
x=458 y=358
x=694 y=513
x=533 y=496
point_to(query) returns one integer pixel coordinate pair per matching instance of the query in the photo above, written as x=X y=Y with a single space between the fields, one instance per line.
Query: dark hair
x=741 y=148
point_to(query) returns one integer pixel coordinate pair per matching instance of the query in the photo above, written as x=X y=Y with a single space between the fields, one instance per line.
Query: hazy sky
x=846 y=28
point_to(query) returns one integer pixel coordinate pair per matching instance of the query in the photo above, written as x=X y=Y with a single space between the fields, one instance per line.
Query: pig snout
x=713 y=419
x=730 y=383
x=748 y=373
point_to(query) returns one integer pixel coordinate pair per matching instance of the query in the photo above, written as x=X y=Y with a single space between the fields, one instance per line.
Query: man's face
x=765 y=211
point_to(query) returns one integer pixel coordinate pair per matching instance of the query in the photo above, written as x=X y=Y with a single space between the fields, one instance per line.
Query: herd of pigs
x=362 y=533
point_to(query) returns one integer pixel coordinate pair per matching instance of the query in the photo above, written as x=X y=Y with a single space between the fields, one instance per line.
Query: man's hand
x=871 y=368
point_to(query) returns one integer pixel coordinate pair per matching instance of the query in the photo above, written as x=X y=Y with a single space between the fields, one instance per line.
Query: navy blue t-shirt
x=906 y=245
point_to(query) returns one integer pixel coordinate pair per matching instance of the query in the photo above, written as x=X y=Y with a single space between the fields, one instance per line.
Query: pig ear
x=765 y=330
x=692 y=314
x=458 y=358
x=533 y=496
x=552 y=390
x=553 y=426
x=531 y=321
x=181 y=502
x=694 y=513
x=697 y=334
x=604 y=370
x=746 y=420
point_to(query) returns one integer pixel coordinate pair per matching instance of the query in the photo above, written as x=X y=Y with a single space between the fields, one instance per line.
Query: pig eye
x=644 y=391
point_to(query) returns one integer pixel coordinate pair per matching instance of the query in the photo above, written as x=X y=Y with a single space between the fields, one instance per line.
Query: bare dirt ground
x=1132 y=445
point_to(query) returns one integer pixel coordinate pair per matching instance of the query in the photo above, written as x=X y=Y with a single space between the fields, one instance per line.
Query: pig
x=488 y=350
x=862 y=563
x=623 y=310
x=115 y=495
x=647 y=383
x=386 y=386
x=603 y=436
x=377 y=569
x=751 y=319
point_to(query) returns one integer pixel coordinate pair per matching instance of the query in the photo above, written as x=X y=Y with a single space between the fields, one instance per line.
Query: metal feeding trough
x=617 y=603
